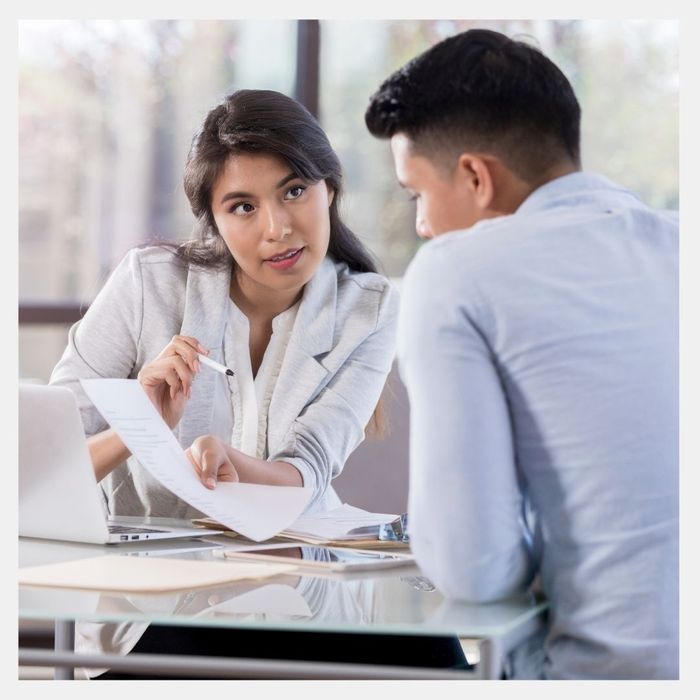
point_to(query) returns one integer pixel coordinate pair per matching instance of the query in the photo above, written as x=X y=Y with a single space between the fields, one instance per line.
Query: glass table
x=396 y=601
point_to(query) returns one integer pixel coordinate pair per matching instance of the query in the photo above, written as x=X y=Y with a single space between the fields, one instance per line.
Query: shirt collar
x=564 y=187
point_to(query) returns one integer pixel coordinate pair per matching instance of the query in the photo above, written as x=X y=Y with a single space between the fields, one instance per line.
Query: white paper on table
x=255 y=510
x=142 y=574
x=335 y=524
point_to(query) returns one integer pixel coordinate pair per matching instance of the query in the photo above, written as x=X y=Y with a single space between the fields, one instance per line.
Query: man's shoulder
x=457 y=256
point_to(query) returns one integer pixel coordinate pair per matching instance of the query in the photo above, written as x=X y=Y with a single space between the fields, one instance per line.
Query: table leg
x=490 y=659
x=493 y=651
x=64 y=640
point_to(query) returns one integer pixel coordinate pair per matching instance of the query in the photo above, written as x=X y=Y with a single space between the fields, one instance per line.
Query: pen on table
x=215 y=365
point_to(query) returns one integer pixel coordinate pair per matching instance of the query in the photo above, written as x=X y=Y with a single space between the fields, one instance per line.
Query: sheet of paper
x=328 y=526
x=335 y=524
x=256 y=511
x=143 y=574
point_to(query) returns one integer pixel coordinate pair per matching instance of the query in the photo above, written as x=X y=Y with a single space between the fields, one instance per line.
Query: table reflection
x=283 y=598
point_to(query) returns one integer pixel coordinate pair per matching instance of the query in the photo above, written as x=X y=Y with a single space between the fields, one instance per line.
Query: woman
x=275 y=287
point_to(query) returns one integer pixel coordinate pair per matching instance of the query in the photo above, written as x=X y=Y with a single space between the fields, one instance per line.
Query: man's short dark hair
x=484 y=92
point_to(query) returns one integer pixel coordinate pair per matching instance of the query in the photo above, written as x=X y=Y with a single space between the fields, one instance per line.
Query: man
x=538 y=342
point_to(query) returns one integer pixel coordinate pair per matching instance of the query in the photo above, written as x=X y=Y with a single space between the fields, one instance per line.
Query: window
x=107 y=110
x=629 y=124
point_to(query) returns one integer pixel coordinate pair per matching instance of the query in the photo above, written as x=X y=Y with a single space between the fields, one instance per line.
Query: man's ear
x=475 y=174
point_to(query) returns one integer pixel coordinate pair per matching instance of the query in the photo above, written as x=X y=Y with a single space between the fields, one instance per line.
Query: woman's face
x=275 y=224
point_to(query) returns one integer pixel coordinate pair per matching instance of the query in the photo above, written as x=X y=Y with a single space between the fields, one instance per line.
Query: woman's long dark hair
x=263 y=121
x=266 y=122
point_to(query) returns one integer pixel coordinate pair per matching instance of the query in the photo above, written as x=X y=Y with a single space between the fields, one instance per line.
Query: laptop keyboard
x=122 y=529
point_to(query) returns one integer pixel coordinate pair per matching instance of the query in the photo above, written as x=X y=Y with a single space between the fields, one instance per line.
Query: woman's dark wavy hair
x=266 y=122
x=270 y=123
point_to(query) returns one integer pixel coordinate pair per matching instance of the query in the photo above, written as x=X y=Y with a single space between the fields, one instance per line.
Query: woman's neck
x=261 y=303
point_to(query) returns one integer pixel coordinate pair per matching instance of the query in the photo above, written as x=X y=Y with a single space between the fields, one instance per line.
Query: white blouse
x=244 y=395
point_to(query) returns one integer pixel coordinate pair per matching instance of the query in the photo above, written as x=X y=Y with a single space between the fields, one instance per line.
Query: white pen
x=215 y=365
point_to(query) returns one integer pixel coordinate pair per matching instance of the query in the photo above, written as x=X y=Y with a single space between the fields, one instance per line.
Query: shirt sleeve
x=465 y=505
x=104 y=343
x=330 y=427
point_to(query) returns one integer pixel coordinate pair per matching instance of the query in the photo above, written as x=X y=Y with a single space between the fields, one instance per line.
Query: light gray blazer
x=337 y=360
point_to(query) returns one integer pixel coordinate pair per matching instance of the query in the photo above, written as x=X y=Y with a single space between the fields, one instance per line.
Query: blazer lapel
x=206 y=300
x=301 y=372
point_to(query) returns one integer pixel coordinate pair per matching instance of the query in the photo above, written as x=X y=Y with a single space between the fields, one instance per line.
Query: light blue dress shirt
x=540 y=354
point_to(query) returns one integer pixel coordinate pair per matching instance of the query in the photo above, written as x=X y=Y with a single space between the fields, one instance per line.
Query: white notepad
x=143 y=574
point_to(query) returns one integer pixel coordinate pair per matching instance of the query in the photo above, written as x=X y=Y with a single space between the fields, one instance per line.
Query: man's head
x=476 y=123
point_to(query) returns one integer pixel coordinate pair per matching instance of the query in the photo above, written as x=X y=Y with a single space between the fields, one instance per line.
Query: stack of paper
x=333 y=527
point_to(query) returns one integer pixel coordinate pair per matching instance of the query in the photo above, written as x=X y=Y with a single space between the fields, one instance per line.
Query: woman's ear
x=476 y=175
x=331 y=194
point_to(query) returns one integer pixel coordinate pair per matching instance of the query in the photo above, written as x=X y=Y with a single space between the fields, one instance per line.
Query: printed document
x=334 y=527
x=336 y=524
x=256 y=511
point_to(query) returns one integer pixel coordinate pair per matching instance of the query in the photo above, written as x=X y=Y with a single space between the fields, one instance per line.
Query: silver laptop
x=59 y=498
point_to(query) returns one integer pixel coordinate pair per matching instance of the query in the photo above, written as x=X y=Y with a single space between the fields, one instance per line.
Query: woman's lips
x=285 y=263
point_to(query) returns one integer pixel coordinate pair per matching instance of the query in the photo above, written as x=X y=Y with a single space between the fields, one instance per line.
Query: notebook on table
x=58 y=496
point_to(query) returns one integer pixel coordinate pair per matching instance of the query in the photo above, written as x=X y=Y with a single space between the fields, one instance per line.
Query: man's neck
x=556 y=171
x=519 y=190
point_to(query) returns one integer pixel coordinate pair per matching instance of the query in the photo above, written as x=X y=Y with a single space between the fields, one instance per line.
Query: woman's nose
x=279 y=225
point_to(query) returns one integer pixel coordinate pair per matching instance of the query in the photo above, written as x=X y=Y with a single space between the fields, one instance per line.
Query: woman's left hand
x=210 y=459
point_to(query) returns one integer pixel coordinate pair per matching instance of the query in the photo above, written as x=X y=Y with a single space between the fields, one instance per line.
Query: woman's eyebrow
x=243 y=195
x=285 y=180
x=235 y=195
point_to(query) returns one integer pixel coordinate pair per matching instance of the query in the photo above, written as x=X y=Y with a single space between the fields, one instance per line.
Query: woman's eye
x=242 y=208
x=295 y=192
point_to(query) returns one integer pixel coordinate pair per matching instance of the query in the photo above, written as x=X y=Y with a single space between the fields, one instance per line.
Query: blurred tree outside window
x=107 y=110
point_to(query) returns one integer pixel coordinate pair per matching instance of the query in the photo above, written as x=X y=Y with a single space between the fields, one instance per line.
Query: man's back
x=571 y=305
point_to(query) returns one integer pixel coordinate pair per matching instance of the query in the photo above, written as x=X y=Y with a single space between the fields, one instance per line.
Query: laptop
x=59 y=498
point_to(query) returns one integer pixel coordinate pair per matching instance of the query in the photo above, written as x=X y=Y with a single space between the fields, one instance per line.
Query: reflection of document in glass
x=256 y=511
x=272 y=599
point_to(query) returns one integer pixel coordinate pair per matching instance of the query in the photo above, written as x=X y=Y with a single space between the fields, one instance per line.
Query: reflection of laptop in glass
x=58 y=496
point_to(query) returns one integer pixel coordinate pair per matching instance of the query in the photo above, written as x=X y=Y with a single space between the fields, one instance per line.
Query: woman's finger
x=209 y=463
x=172 y=370
x=194 y=343
x=216 y=466
x=185 y=346
x=189 y=353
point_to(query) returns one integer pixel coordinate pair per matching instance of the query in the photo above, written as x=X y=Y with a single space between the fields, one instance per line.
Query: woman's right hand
x=167 y=380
